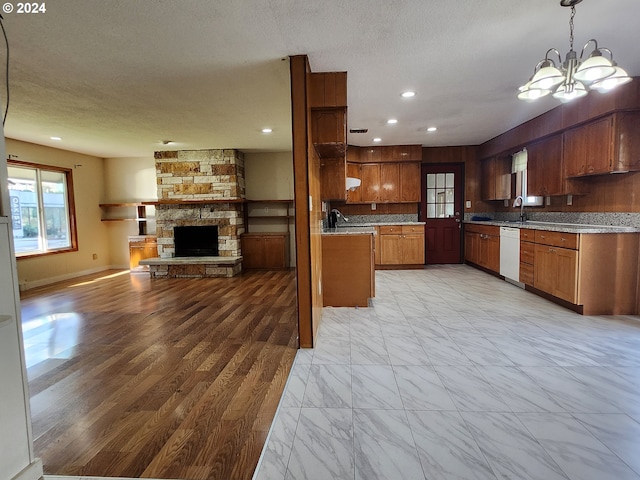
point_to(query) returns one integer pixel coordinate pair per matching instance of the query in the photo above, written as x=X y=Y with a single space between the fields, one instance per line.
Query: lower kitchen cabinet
x=401 y=245
x=527 y=256
x=482 y=246
x=265 y=250
x=556 y=271
x=141 y=247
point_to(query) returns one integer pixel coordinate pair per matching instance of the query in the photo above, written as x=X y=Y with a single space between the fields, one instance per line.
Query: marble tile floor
x=454 y=374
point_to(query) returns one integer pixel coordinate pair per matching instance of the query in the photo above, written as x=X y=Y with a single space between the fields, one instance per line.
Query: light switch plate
x=468 y=204
x=373 y=206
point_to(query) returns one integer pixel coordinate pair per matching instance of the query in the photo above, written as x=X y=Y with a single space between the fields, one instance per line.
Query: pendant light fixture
x=575 y=77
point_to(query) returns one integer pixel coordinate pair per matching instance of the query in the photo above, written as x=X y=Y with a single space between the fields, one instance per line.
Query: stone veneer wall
x=196 y=176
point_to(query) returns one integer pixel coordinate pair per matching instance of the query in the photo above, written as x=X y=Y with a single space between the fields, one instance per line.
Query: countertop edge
x=566 y=228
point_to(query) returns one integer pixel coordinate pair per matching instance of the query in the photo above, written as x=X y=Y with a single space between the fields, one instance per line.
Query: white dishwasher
x=510 y=253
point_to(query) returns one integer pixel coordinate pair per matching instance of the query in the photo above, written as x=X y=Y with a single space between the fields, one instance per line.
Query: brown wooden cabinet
x=328 y=89
x=329 y=131
x=556 y=271
x=410 y=182
x=406 y=153
x=527 y=256
x=140 y=248
x=389 y=183
x=265 y=250
x=496 y=178
x=607 y=145
x=333 y=173
x=546 y=169
x=401 y=245
x=370 y=176
x=482 y=246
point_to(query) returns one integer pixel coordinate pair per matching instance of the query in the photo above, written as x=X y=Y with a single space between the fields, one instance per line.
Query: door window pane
x=440 y=195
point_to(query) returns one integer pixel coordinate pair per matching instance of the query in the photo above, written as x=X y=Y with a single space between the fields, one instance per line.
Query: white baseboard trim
x=26 y=285
x=32 y=472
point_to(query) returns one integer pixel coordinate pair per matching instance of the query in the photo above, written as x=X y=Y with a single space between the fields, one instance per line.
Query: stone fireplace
x=198 y=188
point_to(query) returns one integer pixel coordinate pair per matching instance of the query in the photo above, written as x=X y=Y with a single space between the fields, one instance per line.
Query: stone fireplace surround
x=197 y=188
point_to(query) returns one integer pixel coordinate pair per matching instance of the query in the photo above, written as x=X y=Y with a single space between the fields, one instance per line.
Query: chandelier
x=575 y=77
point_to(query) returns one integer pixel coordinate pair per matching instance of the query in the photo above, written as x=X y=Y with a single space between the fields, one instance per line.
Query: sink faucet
x=338 y=215
x=521 y=205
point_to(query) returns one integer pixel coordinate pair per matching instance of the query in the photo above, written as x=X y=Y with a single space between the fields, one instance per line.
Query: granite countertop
x=351 y=230
x=558 y=227
x=377 y=224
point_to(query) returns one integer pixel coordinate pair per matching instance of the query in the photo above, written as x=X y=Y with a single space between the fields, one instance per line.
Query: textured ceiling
x=114 y=78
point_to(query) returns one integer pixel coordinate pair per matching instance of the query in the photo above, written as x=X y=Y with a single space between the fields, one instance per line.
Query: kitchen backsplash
x=389 y=218
x=588 y=218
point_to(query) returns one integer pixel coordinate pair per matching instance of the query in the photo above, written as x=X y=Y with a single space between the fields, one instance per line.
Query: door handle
x=457 y=220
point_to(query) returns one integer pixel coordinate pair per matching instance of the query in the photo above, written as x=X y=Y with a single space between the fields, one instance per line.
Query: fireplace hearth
x=196 y=241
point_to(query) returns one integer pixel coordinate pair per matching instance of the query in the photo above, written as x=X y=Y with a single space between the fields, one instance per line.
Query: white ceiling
x=116 y=77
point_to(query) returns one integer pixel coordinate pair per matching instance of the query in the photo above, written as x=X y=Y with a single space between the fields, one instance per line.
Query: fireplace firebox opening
x=196 y=241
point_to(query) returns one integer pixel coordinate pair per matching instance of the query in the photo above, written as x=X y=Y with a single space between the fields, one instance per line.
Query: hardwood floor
x=169 y=378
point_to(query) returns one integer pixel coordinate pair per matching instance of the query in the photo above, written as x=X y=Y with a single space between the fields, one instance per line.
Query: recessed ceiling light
x=431 y=129
x=57 y=139
x=392 y=121
x=408 y=94
x=377 y=139
x=267 y=130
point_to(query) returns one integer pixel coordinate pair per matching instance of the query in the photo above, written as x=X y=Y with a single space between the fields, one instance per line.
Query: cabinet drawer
x=390 y=229
x=527 y=253
x=483 y=229
x=527 y=234
x=526 y=273
x=406 y=229
x=557 y=239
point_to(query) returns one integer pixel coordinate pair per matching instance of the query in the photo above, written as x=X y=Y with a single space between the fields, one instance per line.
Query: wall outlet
x=569 y=199
x=373 y=206
x=95 y=256
x=506 y=202
x=468 y=204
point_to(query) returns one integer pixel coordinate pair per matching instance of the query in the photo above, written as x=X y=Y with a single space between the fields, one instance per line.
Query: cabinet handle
x=562 y=239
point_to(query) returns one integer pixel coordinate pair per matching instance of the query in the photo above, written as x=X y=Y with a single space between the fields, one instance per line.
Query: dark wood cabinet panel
x=482 y=246
x=410 y=182
x=333 y=173
x=328 y=89
x=329 y=131
x=401 y=245
x=496 y=178
x=389 y=182
x=589 y=148
x=370 y=182
x=265 y=250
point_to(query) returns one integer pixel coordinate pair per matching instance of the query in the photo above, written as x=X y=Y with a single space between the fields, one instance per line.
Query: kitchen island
x=348 y=269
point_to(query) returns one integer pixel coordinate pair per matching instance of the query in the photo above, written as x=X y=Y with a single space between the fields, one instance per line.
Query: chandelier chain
x=573 y=14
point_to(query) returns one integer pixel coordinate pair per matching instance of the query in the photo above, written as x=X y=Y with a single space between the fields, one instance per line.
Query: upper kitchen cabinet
x=407 y=153
x=354 y=170
x=370 y=185
x=410 y=182
x=545 y=169
x=610 y=144
x=328 y=89
x=333 y=172
x=496 y=178
x=329 y=131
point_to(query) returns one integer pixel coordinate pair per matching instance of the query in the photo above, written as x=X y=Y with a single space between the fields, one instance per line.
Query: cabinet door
x=354 y=170
x=371 y=155
x=471 y=247
x=329 y=125
x=566 y=286
x=370 y=182
x=574 y=152
x=599 y=148
x=483 y=250
x=274 y=252
x=413 y=249
x=410 y=182
x=544 y=167
x=333 y=179
x=493 y=253
x=488 y=179
x=389 y=182
x=390 y=250
x=627 y=140
x=545 y=269
x=405 y=153
x=253 y=252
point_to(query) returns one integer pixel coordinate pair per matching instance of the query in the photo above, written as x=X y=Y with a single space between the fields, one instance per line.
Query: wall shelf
x=126 y=212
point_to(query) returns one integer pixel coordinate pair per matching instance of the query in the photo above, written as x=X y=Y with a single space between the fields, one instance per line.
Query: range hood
x=353 y=183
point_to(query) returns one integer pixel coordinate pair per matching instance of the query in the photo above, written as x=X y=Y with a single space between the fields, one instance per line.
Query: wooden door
x=441 y=209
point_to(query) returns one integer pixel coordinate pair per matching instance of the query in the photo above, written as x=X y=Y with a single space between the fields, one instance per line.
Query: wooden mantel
x=195 y=202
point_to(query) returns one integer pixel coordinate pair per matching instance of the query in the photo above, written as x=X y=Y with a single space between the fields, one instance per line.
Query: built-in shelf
x=277 y=212
x=138 y=210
